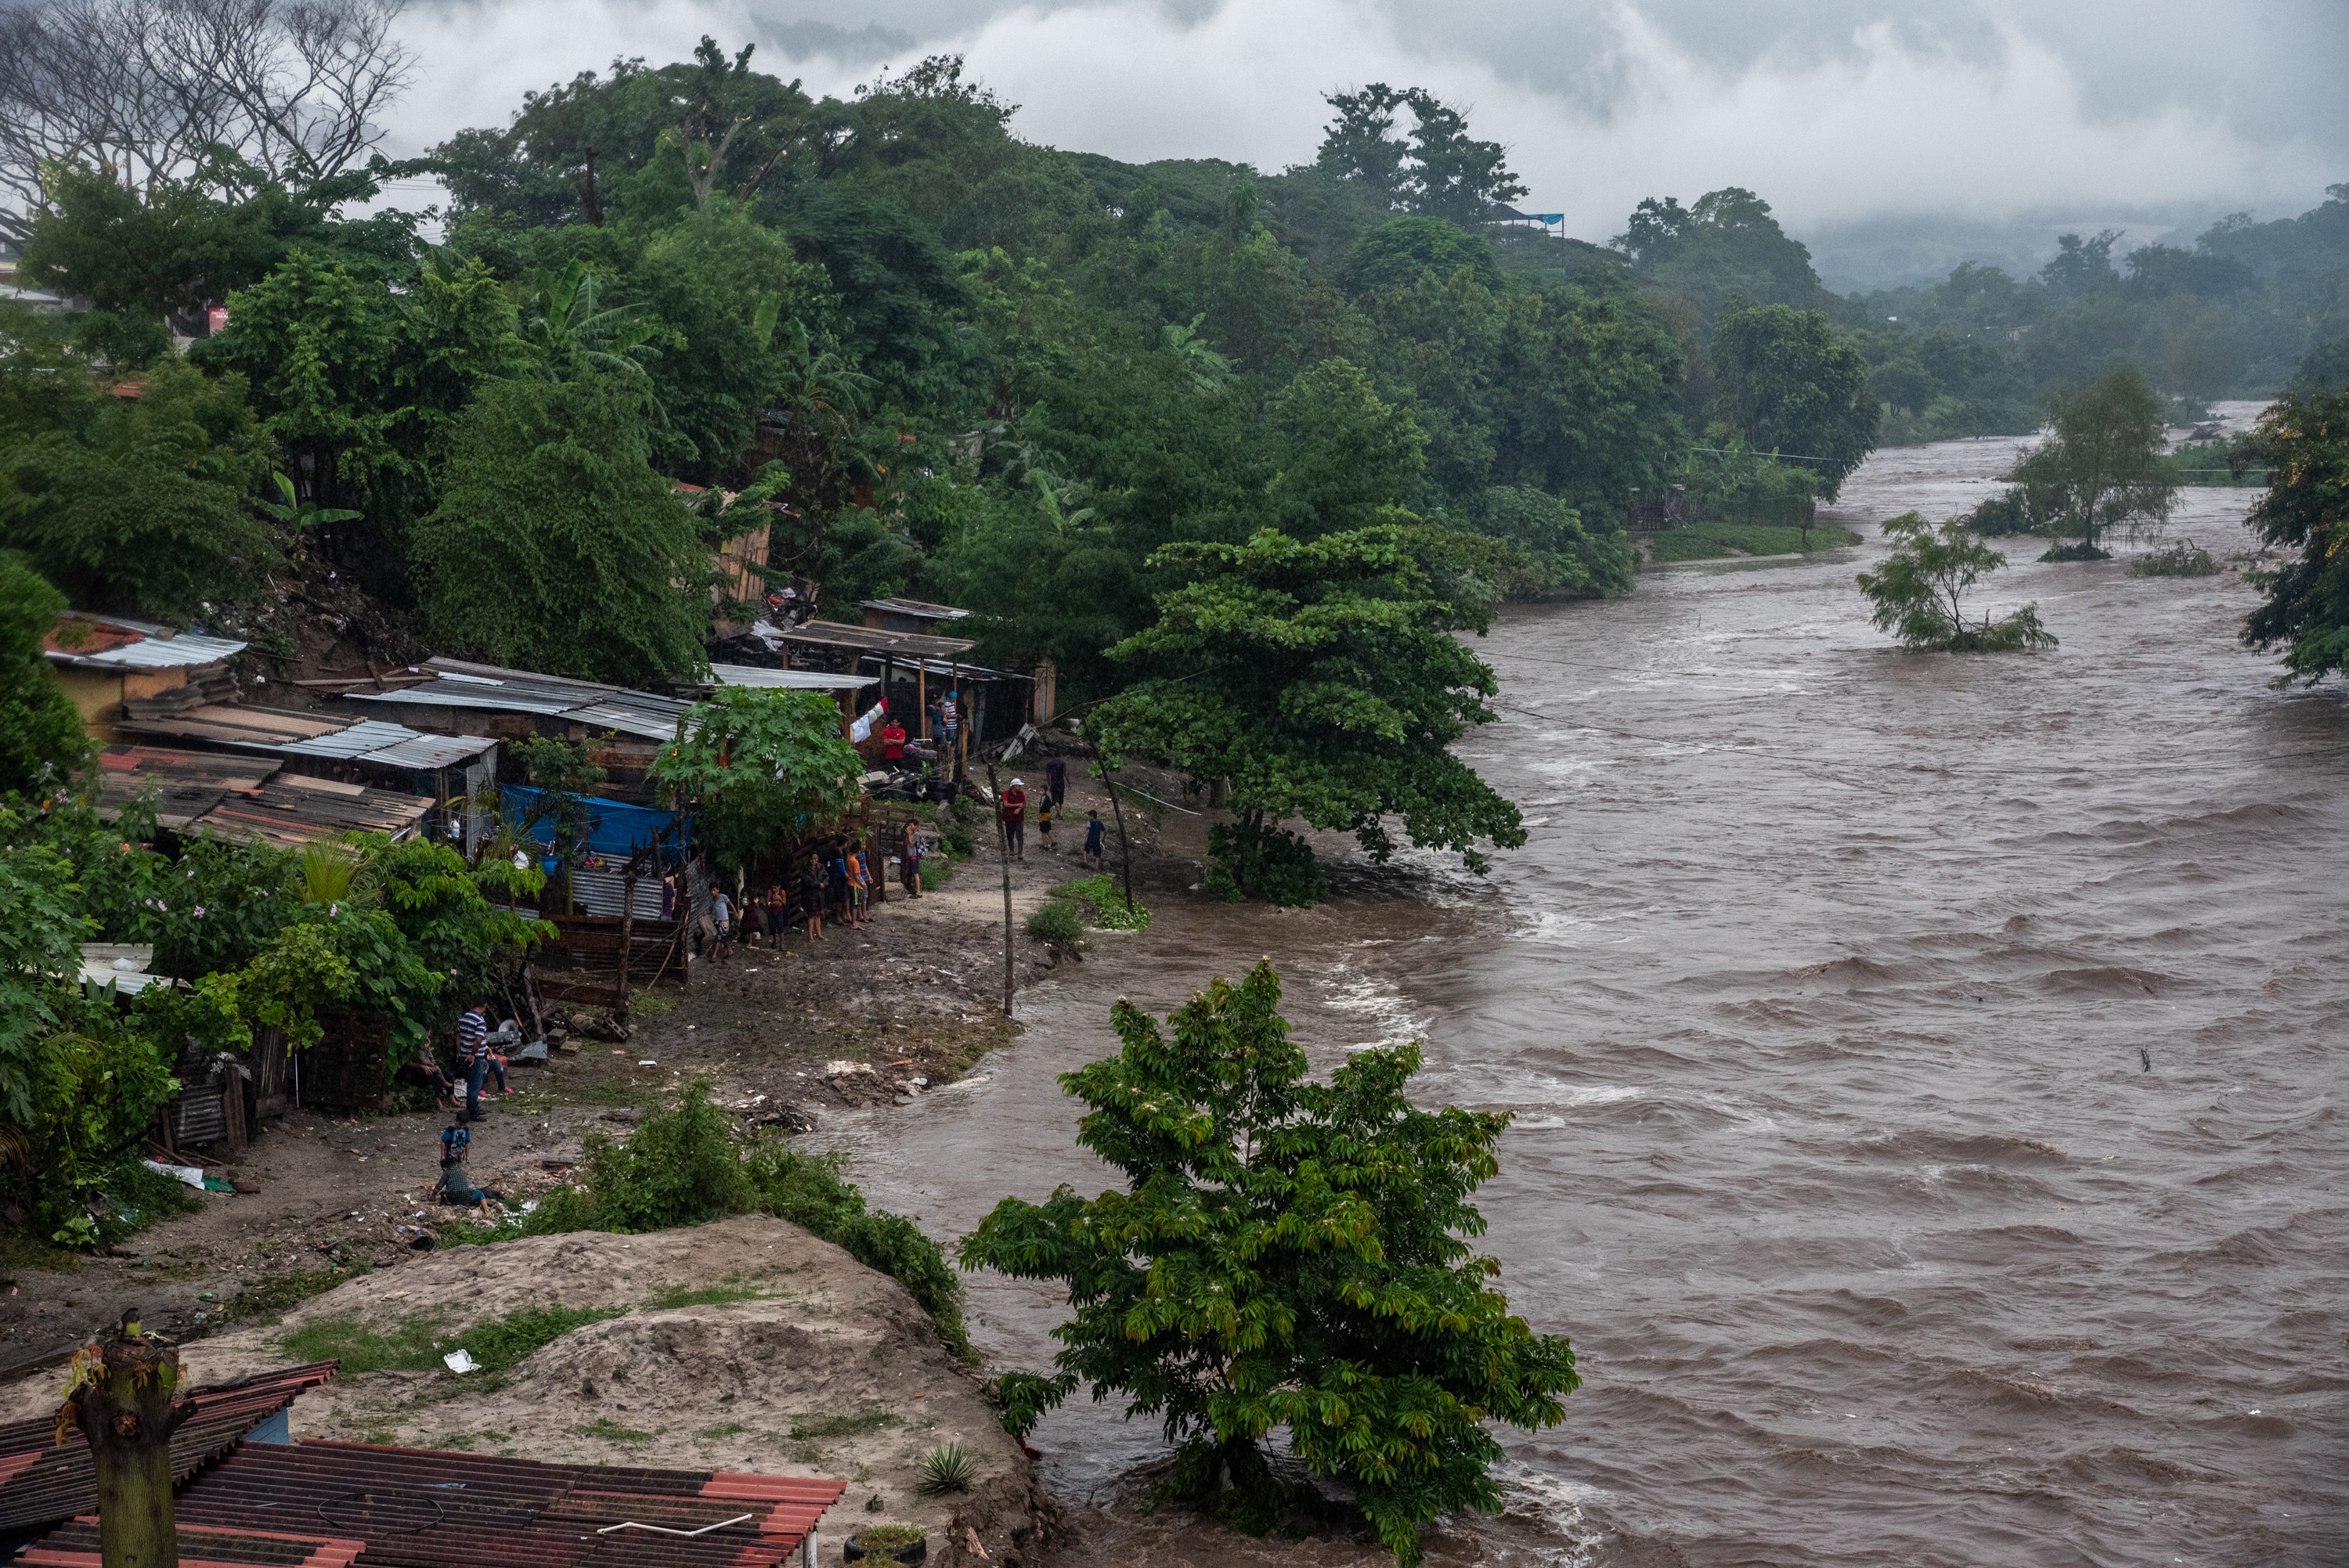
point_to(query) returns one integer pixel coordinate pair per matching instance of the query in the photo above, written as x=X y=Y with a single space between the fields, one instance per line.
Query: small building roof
x=121 y=964
x=291 y=811
x=187 y=784
x=429 y=753
x=872 y=640
x=359 y=740
x=920 y=609
x=42 y=1480
x=241 y=725
x=488 y=688
x=111 y=643
x=786 y=680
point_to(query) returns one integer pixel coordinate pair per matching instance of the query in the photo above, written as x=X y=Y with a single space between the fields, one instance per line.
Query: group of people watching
x=839 y=879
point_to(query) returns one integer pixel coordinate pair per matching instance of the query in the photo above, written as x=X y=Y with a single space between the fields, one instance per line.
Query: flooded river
x=1926 y=1073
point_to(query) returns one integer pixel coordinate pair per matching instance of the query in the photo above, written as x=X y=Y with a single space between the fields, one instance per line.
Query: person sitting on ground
x=1093 y=853
x=812 y=890
x=426 y=1069
x=456 y=1187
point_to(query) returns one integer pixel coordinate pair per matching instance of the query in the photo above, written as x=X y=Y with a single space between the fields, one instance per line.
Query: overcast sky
x=1853 y=118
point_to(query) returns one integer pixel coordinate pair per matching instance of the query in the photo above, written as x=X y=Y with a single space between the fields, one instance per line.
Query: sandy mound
x=829 y=1368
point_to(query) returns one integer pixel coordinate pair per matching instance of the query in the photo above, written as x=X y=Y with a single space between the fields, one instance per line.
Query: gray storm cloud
x=1841 y=113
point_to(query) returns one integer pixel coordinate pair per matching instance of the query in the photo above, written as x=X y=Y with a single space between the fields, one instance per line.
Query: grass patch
x=719 y=1434
x=936 y=872
x=280 y=1293
x=890 y=1537
x=1105 y=897
x=611 y=1431
x=854 y=1426
x=418 y=1344
x=1719 y=541
x=650 y=1007
x=1058 y=926
x=23 y=1249
x=705 y=1295
x=618 y=1095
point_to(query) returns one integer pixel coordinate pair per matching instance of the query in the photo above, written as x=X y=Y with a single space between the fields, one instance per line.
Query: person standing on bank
x=951 y=726
x=473 y=1054
x=812 y=890
x=1015 y=819
x=893 y=742
x=1093 y=841
x=1056 y=781
x=909 y=861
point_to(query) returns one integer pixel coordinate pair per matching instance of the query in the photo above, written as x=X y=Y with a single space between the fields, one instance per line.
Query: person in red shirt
x=893 y=742
x=1015 y=818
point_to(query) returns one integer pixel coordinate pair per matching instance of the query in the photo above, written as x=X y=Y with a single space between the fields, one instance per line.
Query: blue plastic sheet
x=615 y=829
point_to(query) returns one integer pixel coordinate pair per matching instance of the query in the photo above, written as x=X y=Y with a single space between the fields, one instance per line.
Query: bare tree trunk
x=120 y=1395
x=1124 y=845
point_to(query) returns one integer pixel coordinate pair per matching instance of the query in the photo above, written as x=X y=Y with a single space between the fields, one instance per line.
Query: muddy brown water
x=1926 y=1073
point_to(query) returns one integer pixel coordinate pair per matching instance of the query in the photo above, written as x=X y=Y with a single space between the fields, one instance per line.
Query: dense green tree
x=1283 y=1255
x=1315 y=679
x=135 y=499
x=1345 y=455
x=1918 y=592
x=1399 y=249
x=2101 y=465
x=1438 y=171
x=1788 y=383
x=41 y=737
x=2305 y=440
x=1726 y=248
x=759 y=767
x=555 y=546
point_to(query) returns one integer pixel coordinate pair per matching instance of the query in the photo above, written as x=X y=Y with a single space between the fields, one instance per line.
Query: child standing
x=1044 y=824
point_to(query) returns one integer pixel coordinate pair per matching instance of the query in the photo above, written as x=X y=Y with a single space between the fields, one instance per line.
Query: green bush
x=2184 y=559
x=1057 y=925
x=683 y=1166
x=1105 y=897
x=1270 y=863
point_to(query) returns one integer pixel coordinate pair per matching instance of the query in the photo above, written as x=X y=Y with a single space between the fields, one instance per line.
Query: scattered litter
x=618 y=1052
x=460 y=1362
x=648 y=1063
x=534 y=1052
x=193 y=1175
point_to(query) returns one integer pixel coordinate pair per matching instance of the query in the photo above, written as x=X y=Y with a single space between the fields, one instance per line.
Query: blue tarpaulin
x=615 y=829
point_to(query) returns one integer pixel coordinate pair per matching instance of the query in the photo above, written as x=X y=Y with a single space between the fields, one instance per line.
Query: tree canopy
x=2305 y=440
x=1284 y=1254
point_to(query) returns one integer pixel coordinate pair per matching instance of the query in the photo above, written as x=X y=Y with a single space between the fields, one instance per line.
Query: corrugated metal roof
x=369 y=735
x=787 y=680
x=42 y=1482
x=438 y=1508
x=239 y=724
x=491 y=689
x=872 y=640
x=187 y=784
x=291 y=812
x=144 y=650
x=427 y=752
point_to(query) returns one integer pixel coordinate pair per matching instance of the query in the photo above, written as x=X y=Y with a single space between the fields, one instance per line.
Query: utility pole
x=119 y=1394
x=1003 y=853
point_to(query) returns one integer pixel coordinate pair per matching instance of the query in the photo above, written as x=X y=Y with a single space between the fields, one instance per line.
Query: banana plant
x=296 y=513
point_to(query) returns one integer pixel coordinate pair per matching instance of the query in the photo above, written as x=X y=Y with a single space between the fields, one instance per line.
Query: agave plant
x=949 y=1467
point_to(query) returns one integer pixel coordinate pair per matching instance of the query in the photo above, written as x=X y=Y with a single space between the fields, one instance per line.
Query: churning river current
x=1926 y=1073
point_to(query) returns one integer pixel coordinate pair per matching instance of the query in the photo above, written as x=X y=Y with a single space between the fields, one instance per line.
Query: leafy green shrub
x=1058 y=926
x=2184 y=559
x=1265 y=862
x=1918 y=591
x=677 y=1168
x=683 y=1166
x=1287 y=1256
x=2080 y=551
x=1105 y=897
x=949 y=1467
x=936 y=872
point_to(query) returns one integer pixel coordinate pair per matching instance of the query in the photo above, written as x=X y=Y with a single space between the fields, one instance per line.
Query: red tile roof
x=419 y=1508
x=42 y=1480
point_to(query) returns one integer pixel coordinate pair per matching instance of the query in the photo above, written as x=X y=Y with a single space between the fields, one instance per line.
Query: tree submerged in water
x=1285 y=1254
x=1920 y=590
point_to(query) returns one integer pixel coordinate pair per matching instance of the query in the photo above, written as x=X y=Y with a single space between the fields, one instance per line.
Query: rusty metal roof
x=872 y=640
x=291 y=811
x=42 y=1482
x=187 y=783
x=418 y=1507
x=111 y=643
x=494 y=689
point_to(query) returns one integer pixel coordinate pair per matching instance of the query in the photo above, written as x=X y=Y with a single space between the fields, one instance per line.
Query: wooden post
x=119 y=1393
x=627 y=921
x=1003 y=853
x=1124 y=844
x=922 y=696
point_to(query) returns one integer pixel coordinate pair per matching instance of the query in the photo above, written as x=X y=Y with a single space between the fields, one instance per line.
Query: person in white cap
x=1015 y=819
